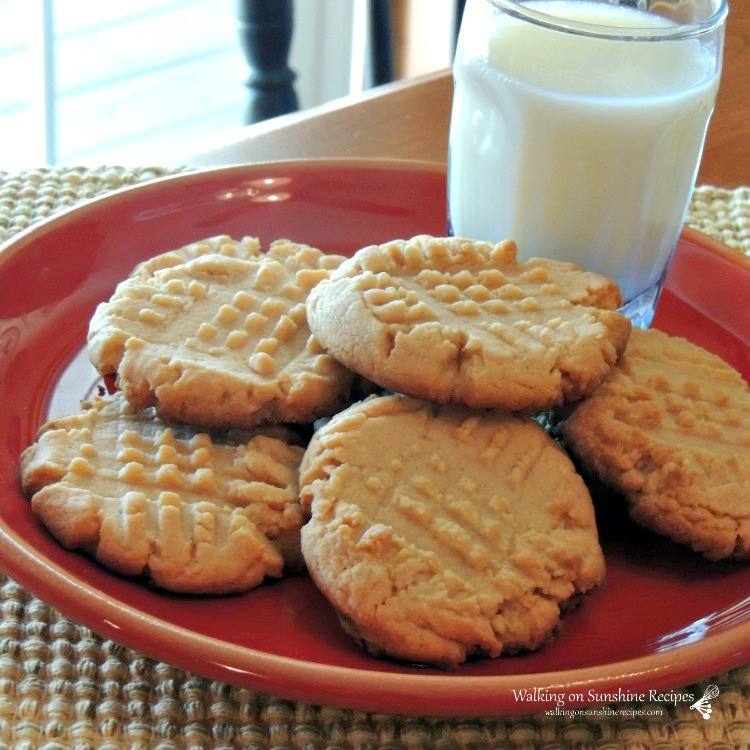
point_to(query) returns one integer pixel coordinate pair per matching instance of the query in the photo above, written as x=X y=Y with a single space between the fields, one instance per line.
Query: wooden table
x=409 y=120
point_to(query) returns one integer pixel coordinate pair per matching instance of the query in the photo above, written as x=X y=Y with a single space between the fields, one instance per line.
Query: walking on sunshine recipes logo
x=596 y=703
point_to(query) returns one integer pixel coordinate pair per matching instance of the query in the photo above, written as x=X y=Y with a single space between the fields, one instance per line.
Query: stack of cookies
x=436 y=515
x=177 y=477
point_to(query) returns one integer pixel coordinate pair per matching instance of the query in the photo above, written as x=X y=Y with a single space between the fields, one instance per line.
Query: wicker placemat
x=63 y=687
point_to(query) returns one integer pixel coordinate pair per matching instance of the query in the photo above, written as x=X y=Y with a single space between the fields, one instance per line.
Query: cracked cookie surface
x=670 y=430
x=458 y=321
x=215 y=334
x=192 y=512
x=440 y=532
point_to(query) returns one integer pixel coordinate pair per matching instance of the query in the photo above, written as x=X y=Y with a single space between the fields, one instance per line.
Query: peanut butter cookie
x=190 y=511
x=215 y=335
x=439 y=532
x=670 y=430
x=458 y=321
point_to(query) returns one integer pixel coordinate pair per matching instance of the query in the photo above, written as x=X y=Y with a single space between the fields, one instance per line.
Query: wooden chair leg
x=381 y=38
x=459 y=15
x=265 y=32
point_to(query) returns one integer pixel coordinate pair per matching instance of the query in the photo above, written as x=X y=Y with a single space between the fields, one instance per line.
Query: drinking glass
x=577 y=130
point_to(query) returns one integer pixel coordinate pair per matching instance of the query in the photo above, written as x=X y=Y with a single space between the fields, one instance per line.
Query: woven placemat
x=63 y=687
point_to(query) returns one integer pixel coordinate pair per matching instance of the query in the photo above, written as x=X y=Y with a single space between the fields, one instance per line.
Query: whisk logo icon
x=703 y=705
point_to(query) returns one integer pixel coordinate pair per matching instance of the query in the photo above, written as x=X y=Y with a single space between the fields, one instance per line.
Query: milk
x=579 y=148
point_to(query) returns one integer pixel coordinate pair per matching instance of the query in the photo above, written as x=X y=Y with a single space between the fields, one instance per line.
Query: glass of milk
x=578 y=127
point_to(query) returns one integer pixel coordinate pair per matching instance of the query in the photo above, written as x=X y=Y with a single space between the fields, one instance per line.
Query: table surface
x=409 y=120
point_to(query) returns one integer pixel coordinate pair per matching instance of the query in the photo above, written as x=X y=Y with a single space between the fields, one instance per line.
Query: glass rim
x=518 y=9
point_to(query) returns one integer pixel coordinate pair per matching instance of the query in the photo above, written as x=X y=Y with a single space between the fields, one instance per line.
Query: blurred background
x=93 y=82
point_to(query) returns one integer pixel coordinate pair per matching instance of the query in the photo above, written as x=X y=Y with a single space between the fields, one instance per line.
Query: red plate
x=665 y=618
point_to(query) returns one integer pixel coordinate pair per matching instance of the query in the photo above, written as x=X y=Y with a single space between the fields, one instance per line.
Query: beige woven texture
x=62 y=686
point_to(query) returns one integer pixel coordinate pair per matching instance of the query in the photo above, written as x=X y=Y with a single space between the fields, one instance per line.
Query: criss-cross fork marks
x=190 y=510
x=120 y=449
x=248 y=314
